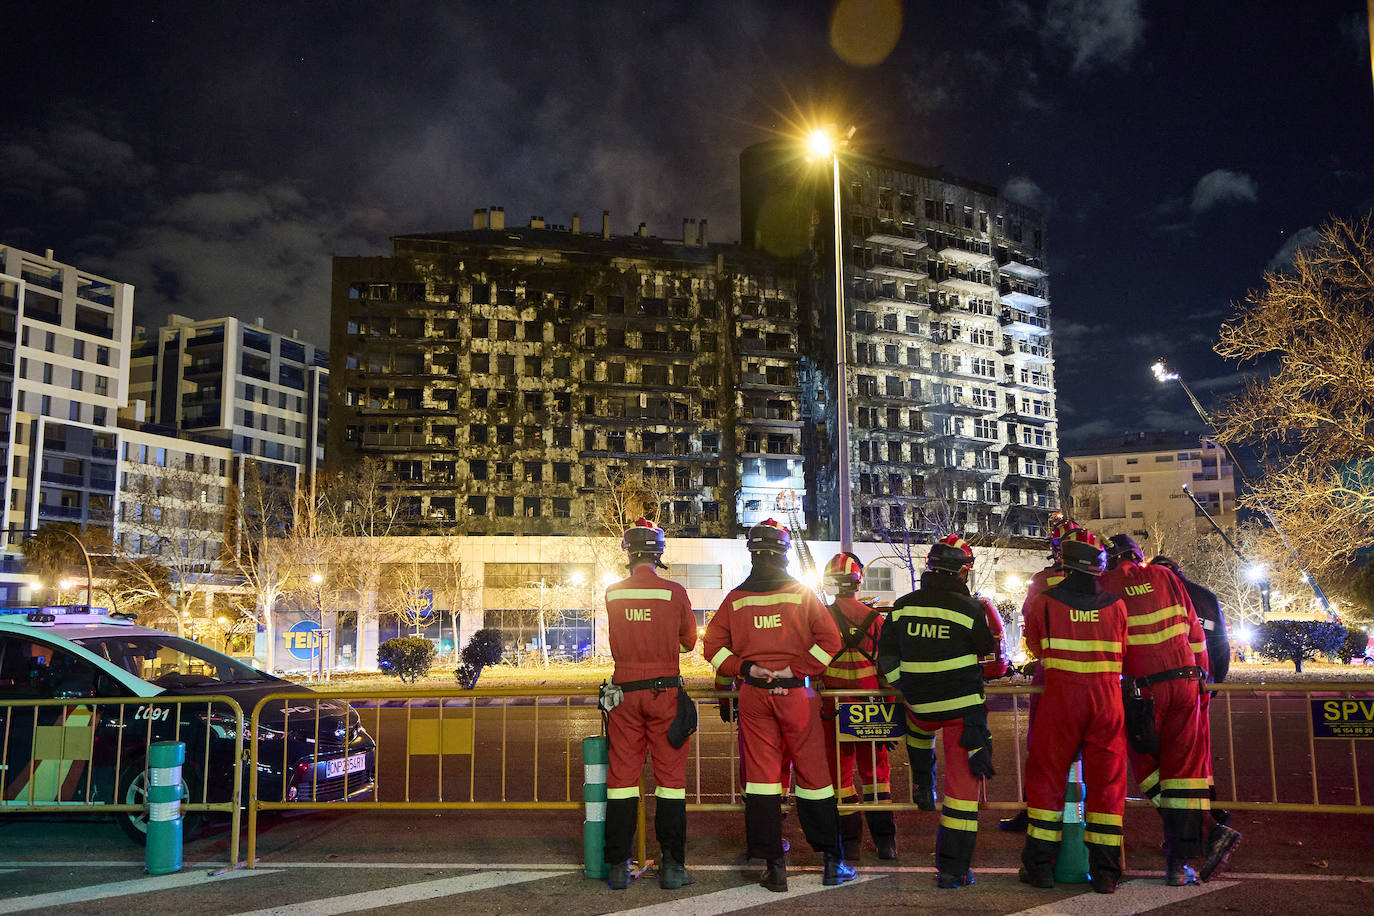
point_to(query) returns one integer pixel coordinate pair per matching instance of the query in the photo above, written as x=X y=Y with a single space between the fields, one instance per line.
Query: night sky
x=217 y=156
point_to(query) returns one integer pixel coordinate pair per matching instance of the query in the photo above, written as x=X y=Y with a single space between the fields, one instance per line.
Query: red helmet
x=1063 y=527
x=950 y=554
x=643 y=537
x=844 y=569
x=768 y=537
x=1081 y=550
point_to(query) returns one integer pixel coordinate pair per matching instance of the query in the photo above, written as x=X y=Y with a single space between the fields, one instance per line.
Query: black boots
x=775 y=875
x=1179 y=873
x=924 y=796
x=1017 y=823
x=619 y=878
x=1037 y=878
x=836 y=871
x=887 y=846
x=672 y=874
x=947 y=882
x=1221 y=842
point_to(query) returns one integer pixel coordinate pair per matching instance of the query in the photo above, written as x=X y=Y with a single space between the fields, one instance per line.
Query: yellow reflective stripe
x=768 y=600
x=814 y=794
x=1046 y=814
x=1192 y=804
x=959 y=804
x=1096 y=667
x=821 y=655
x=1084 y=645
x=959 y=823
x=938 y=613
x=943 y=705
x=1197 y=646
x=665 y=792
x=1040 y=833
x=719 y=658
x=626 y=792
x=683 y=650
x=942 y=665
x=920 y=742
x=1184 y=782
x=1094 y=818
x=1102 y=839
x=1144 y=620
x=763 y=788
x=1150 y=781
x=1150 y=639
x=891 y=676
x=639 y=594
x=852 y=674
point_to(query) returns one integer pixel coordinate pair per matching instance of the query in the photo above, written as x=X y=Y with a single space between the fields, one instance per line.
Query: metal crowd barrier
x=83 y=748
x=513 y=749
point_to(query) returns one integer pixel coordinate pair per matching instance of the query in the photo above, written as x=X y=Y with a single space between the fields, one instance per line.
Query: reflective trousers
x=1178 y=780
x=1078 y=714
x=639 y=725
x=775 y=727
x=958 y=832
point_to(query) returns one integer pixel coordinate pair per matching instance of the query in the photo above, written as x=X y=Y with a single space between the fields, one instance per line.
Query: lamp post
x=1254 y=572
x=1163 y=373
x=823 y=145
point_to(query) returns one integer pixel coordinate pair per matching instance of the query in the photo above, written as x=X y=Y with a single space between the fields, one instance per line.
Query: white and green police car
x=89 y=752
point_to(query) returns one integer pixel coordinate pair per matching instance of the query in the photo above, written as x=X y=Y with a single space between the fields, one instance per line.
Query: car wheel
x=133 y=790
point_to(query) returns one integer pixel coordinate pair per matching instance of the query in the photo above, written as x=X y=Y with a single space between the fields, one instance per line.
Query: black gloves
x=977 y=740
x=729 y=710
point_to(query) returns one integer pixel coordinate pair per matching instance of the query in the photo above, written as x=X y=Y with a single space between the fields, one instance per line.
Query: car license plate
x=354 y=763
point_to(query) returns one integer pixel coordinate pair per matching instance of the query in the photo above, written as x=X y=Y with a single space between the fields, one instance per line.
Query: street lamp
x=1163 y=373
x=825 y=146
x=1254 y=572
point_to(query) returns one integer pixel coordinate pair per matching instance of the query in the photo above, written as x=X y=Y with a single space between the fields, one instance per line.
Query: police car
x=95 y=753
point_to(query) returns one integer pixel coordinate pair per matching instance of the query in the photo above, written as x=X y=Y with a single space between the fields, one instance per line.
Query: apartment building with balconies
x=1134 y=484
x=508 y=377
x=949 y=366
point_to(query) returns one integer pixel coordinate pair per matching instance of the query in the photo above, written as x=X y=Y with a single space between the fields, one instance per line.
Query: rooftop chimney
x=643 y=231
x=688 y=236
x=536 y=222
x=498 y=217
x=702 y=239
x=605 y=224
x=576 y=224
x=479 y=218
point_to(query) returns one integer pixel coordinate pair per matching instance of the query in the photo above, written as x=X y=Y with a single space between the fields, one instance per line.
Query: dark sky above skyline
x=218 y=156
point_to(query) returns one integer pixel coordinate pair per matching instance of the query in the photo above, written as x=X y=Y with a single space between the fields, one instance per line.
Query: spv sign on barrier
x=1343 y=718
x=871 y=721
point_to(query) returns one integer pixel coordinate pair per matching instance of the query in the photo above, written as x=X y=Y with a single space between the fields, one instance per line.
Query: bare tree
x=263 y=509
x=627 y=498
x=1312 y=413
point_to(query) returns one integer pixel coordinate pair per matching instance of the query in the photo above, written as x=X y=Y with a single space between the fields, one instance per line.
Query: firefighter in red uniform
x=1044 y=580
x=1166 y=656
x=1078 y=633
x=1222 y=838
x=929 y=650
x=650 y=621
x=855 y=668
x=775 y=634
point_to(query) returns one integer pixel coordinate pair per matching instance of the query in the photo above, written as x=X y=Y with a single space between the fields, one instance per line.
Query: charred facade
x=508 y=377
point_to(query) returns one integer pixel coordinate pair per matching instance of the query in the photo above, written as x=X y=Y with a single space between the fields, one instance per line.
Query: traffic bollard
x=595 y=759
x=1072 y=865
x=163 y=851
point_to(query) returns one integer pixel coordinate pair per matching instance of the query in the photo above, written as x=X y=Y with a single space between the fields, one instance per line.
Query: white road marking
x=1130 y=898
x=119 y=889
x=406 y=893
x=739 y=898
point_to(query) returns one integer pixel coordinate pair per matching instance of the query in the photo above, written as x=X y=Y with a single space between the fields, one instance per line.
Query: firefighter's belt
x=654 y=683
x=1186 y=673
x=784 y=682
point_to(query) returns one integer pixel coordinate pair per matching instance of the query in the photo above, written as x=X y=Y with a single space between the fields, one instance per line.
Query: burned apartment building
x=949 y=369
x=508 y=376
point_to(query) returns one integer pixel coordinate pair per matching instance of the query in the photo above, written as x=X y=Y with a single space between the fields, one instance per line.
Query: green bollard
x=595 y=759
x=163 y=852
x=1072 y=865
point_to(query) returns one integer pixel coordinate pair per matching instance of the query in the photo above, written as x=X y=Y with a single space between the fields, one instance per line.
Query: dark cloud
x=1223 y=186
x=1094 y=33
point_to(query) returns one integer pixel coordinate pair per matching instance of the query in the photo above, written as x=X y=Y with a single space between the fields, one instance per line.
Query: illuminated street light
x=1163 y=373
x=823 y=145
x=65 y=584
x=576 y=578
x=316 y=578
x=35 y=586
x=1255 y=572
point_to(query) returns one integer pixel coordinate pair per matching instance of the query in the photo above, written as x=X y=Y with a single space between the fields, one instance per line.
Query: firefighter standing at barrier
x=1078 y=632
x=774 y=633
x=1222 y=837
x=1045 y=579
x=929 y=650
x=855 y=668
x=1166 y=657
x=650 y=621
